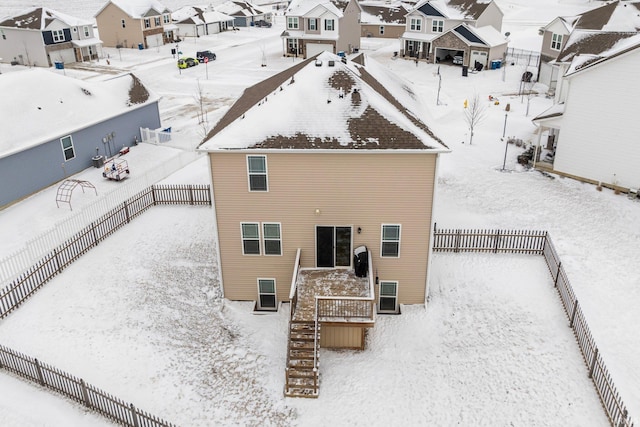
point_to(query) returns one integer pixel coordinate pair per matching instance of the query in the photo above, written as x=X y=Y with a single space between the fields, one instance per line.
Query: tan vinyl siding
x=109 y=23
x=342 y=337
x=349 y=189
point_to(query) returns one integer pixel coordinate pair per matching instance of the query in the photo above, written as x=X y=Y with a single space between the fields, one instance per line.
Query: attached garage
x=316 y=48
x=478 y=56
x=447 y=55
x=154 y=40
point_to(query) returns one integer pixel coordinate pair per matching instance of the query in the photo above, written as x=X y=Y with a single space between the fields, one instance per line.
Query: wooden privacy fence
x=76 y=389
x=62 y=256
x=539 y=243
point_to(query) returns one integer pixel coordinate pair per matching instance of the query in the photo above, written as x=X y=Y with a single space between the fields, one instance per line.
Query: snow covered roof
x=472 y=36
x=453 y=9
x=239 y=8
x=557 y=110
x=138 y=9
x=303 y=7
x=40 y=18
x=198 y=16
x=383 y=13
x=599 y=47
x=314 y=105
x=618 y=15
x=46 y=105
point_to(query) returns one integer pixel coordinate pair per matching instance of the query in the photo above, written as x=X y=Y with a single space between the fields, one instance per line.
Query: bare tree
x=202 y=114
x=474 y=113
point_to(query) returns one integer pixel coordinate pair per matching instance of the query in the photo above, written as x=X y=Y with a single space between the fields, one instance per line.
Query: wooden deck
x=326 y=283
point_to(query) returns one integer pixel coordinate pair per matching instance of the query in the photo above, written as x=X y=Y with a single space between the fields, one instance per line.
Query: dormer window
x=556 y=41
x=292 y=23
x=415 y=24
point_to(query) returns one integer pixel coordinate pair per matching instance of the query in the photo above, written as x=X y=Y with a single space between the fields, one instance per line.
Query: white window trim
x=147 y=22
x=157 y=21
x=266 y=174
x=72 y=148
x=556 y=42
x=58 y=35
x=166 y=19
x=293 y=23
x=275 y=294
x=242 y=238
x=382 y=240
x=85 y=31
x=264 y=238
x=417 y=23
x=333 y=24
x=395 y=297
x=315 y=24
x=436 y=26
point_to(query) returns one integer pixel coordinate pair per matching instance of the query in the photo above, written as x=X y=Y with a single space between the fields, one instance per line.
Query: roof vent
x=332 y=63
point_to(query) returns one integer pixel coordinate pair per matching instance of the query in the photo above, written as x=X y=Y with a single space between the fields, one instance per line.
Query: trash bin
x=360 y=261
x=59 y=65
x=97 y=161
x=496 y=64
x=465 y=70
x=140 y=46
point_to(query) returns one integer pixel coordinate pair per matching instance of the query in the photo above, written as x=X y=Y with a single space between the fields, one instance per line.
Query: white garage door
x=154 y=40
x=316 y=48
x=481 y=57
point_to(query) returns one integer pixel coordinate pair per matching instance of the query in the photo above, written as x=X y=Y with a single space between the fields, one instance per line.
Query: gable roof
x=58 y=105
x=239 y=8
x=582 y=42
x=453 y=9
x=309 y=107
x=378 y=13
x=302 y=7
x=39 y=19
x=198 y=16
x=618 y=15
x=137 y=9
x=470 y=8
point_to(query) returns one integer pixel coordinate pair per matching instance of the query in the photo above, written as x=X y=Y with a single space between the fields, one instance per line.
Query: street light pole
x=506 y=142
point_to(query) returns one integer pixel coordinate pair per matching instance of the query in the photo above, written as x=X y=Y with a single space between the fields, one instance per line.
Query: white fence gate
x=156 y=136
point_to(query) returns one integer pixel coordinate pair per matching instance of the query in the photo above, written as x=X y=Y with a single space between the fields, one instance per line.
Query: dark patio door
x=333 y=246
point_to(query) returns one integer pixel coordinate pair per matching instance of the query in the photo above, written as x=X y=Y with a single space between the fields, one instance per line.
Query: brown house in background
x=135 y=24
x=382 y=19
x=323 y=181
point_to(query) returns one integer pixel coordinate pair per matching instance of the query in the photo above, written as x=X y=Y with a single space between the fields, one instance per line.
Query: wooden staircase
x=302 y=379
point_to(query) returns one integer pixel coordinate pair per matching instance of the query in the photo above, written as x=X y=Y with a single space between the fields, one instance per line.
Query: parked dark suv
x=205 y=54
x=262 y=23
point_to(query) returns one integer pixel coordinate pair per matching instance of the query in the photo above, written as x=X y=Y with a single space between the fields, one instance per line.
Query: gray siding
x=31 y=170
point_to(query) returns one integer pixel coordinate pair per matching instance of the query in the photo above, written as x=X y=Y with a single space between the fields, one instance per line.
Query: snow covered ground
x=143 y=316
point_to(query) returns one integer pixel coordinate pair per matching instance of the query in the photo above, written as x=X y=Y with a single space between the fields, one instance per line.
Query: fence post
x=555 y=283
x=153 y=194
x=95 y=235
x=495 y=247
x=39 y=372
x=55 y=255
x=191 y=194
x=85 y=394
x=134 y=415
x=593 y=363
x=126 y=211
x=573 y=313
x=457 y=248
x=623 y=420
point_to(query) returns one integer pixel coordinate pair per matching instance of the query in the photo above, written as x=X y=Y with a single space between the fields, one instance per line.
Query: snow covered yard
x=146 y=322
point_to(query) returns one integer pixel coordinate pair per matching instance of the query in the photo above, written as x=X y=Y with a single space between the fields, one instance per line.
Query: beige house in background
x=314 y=26
x=386 y=20
x=323 y=181
x=135 y=24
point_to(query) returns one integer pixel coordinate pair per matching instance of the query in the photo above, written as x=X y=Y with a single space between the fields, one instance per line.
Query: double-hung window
x=58 y=36
x=556 y=41
x=85 y=30
x=166 y=19
x=313 y=24
x=267 y=294
x=415 y=24
x=388 y=301
x=250 y=238
x=123 y=23
x=156 y=21
x=329 y=25
x=272 y=240
x=257 y=170
x=147 y=23
x=437 y=26
x=292 y=22
x=390 y=244
x=67 y=148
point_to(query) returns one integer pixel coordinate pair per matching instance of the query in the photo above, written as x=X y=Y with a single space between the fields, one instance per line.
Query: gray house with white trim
x=57 y=126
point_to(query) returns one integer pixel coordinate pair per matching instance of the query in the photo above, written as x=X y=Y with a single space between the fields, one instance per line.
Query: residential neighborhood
x=323 y=199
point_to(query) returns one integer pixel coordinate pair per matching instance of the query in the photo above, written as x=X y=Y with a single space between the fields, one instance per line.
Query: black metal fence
x=540 y=243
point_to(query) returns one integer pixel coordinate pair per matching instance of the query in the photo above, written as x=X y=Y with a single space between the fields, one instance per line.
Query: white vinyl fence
x=156 y=136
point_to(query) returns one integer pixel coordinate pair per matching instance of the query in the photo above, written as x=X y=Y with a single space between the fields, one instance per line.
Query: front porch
x=336 y=300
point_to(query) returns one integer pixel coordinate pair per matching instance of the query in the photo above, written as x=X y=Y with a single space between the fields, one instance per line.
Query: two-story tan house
x=440 y=30
x=314 y=26
x=323 y=178
x=617 y=16
x=385 y=20
x=139 y=24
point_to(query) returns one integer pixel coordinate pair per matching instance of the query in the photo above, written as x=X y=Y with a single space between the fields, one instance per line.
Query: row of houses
x=432 y=30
